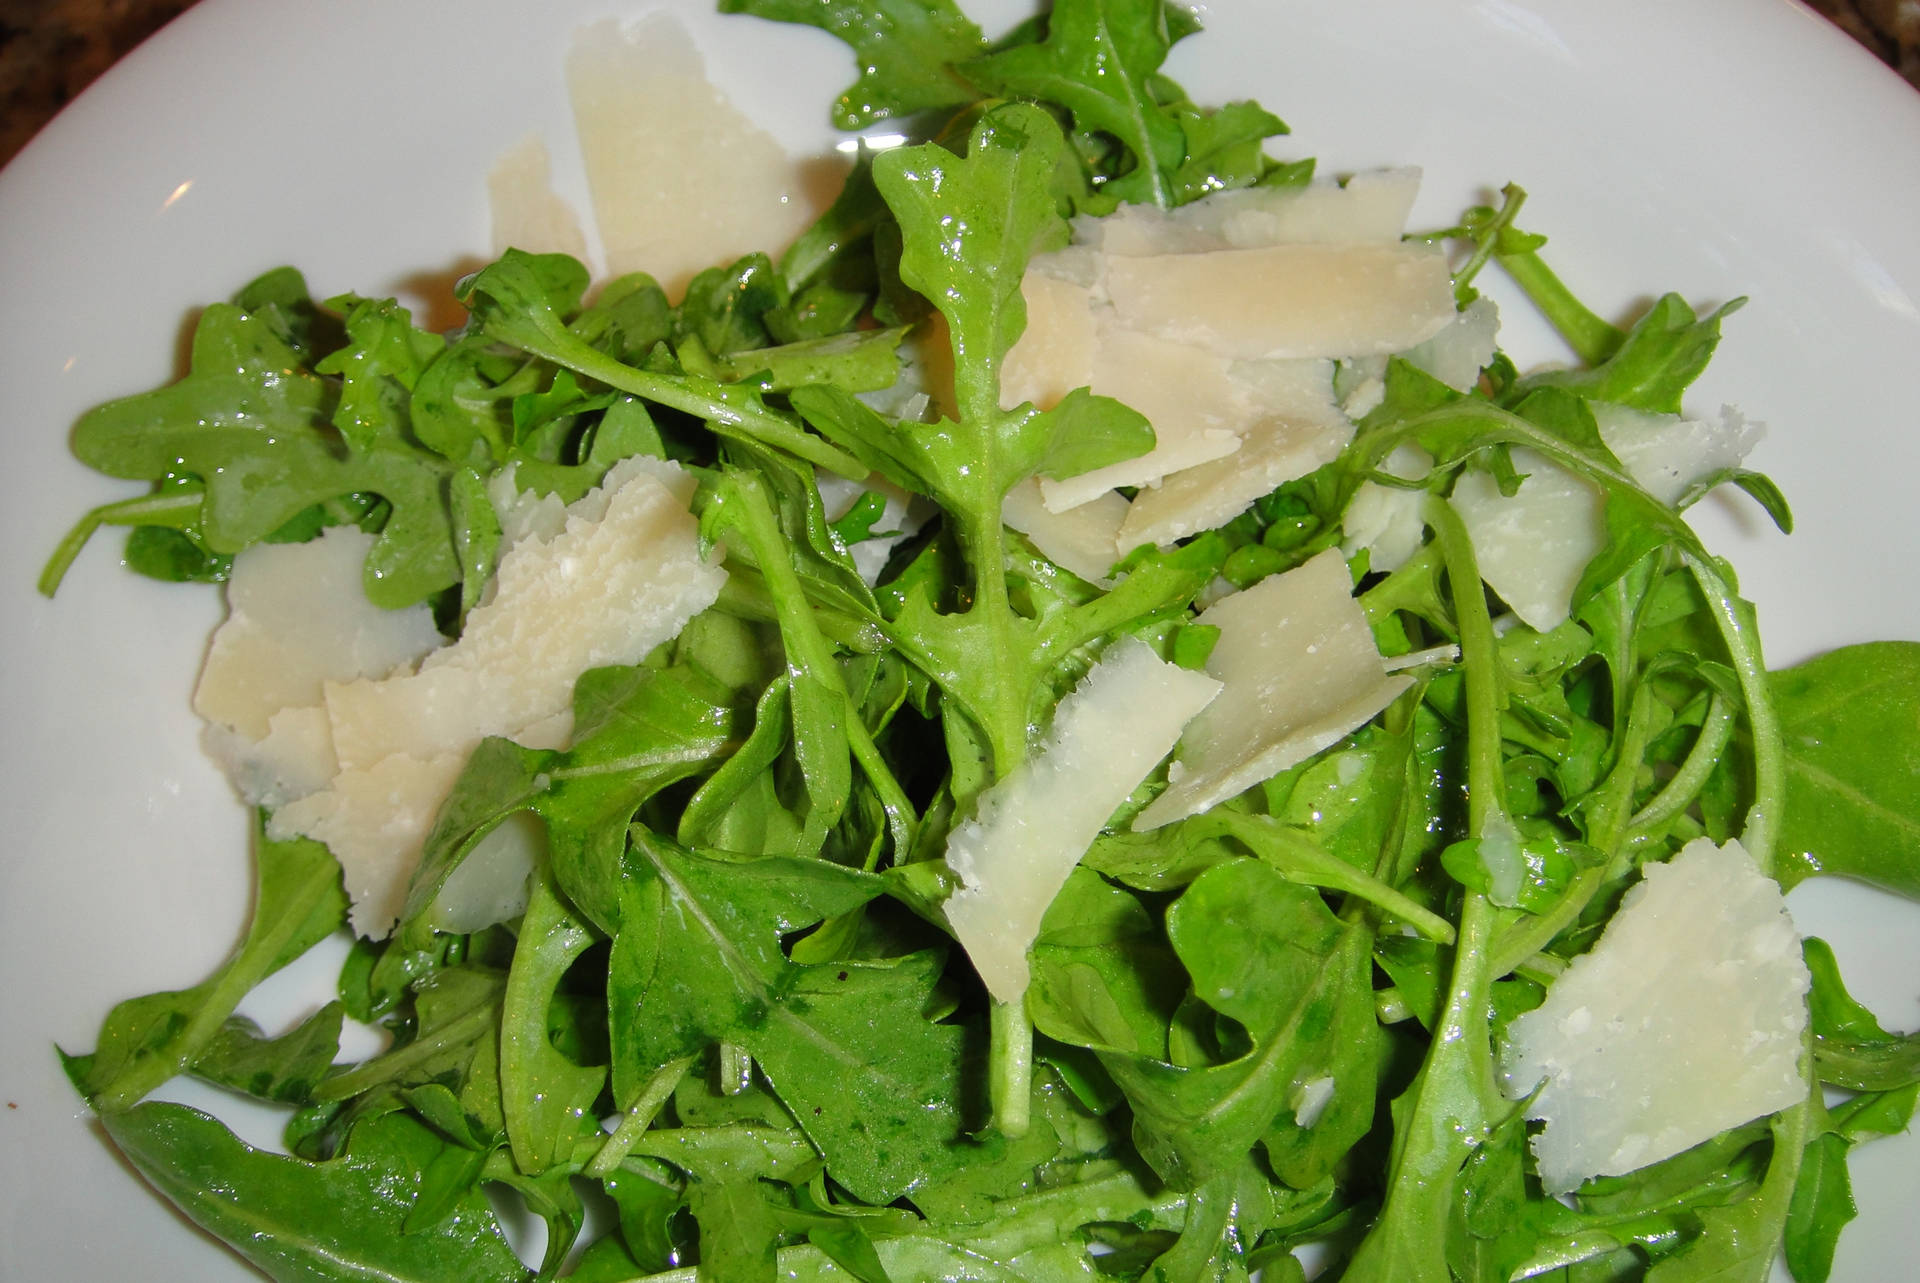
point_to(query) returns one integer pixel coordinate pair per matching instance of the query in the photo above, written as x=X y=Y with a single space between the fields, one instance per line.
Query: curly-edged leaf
x=284 y=1069
x=1100 y=61
x=1223 y=149
x=383 y=358
x=1270 y=955
x=548 y=1097
x=298 y=902
x=906 y=50
x=308 y=1222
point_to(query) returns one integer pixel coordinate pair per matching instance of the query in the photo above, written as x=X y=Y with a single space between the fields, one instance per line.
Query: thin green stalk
x=1010 y=1080
x=174 y=509
x=1737 y=628
x=1716 y=732
x=638 y=1117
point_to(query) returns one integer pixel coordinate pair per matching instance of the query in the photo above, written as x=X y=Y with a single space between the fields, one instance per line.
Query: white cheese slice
x=490 y=884
x=1287 y=300
x=1055 y=352
x=1386 y=520
x=622 y=577
x=1083 y=540
x=1685 y=1019
x=1458 y=353
x=1031 y=828
x=1370 y=206
x=1296 y=428
x=297 y=618
x=1187 y=393
x=1534 y=544
x=374 y=819
x=527 y=213
x=1667 y=454
x=659 y=141
x=1300 y=670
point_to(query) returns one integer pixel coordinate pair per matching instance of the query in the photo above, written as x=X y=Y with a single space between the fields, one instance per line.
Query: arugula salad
x=1002 y=816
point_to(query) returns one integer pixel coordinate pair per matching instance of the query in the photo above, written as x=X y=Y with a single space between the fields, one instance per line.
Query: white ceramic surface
x=1717 y=148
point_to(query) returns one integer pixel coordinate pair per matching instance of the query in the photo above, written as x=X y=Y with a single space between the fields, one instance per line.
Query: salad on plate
x=1082 y=718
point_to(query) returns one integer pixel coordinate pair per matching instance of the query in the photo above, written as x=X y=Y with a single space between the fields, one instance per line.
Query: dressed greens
x=730 y=1038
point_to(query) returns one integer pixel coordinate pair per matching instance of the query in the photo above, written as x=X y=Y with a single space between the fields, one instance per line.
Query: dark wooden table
x=52 y=49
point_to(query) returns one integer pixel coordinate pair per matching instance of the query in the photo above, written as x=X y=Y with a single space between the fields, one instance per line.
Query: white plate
x=1717 y=148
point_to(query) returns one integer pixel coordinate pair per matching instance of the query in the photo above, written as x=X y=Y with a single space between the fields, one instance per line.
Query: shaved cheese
x=1300 y=670
x=622 y=574
x=1184 y=391
x=1668 y=454
x=296 y=619
x=1684 y=1020
x=1386 y=520
x=1534 y=544
x=1032 y=827
x=527 y=213
x=490 y=884
x=1371 y=206
x=622 y=577
x=1055 y=352
x=659 y=140
x=1458 y=353
x=1083 y=540
x=1287 y=300
x=1298 y=428
x=374 y=819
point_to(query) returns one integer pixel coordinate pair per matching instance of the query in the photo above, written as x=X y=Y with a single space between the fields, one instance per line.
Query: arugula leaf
x=1100 y=60
x=906 y=50
x=145 y=1041
x=1848 y=719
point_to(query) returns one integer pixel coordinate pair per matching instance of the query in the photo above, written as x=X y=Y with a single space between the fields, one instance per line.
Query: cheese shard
x=1197 y=411
x=374 y=819
x=659 y=140
x=1031 y=828
x=297 y=618
x=1685 y=1019
x=1084 y=540
x=1458 y=353
x=1299 y=669
x=621 y=576
x=1055 y=352
x=1288 y=300
x=1387 y=521
x=1668 y=454
x=1534 y=544
x=1370 y=206
x=527 y=213
x=1295 y=428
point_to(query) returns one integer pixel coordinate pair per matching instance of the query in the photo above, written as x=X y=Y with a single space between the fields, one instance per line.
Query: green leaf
x=1851 y=723
x=548 y=1097
x=906 y=50
x=145 y=1041
x=1099 y=61
x=284 y=1069
x=1822 y=1205
x=308 y=1222
x=1268 y=954
x=1659 y=359
x=254 y=424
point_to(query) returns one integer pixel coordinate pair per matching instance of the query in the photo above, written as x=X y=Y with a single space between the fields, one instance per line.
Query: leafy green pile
x=730 y=1038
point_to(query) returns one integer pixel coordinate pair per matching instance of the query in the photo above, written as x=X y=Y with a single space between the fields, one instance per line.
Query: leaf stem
x=1737 y=628
x=1010 y=1086
x=175 y=509
x=638 y=1117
